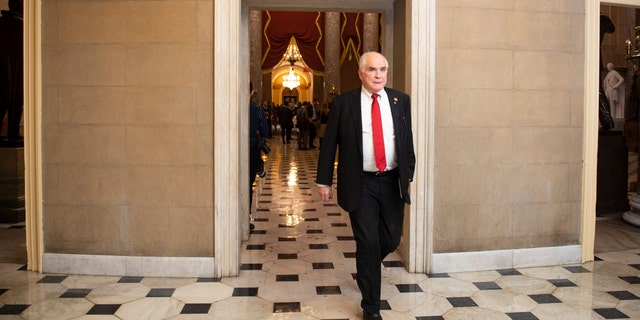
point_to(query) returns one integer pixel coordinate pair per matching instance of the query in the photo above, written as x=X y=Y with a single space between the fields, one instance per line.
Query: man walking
x=372 y=128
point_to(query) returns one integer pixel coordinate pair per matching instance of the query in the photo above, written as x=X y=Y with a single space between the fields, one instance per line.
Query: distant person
x=257 y=130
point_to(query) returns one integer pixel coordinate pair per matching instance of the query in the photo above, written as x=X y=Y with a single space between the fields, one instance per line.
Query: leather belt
x=381 y=174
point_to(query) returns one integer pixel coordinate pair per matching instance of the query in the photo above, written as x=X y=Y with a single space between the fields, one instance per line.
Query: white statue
x=615 y=93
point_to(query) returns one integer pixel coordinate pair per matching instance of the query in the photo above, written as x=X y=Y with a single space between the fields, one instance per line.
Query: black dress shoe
x=370 y=316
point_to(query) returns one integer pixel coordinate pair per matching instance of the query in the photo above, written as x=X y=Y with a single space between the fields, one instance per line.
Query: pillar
x=331 y=54
x=370 y=37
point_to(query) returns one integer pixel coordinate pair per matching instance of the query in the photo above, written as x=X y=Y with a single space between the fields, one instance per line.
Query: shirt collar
x=382 y=93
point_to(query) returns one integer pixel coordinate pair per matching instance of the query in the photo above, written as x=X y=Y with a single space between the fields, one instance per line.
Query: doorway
x=613 y=233
x=416 y=246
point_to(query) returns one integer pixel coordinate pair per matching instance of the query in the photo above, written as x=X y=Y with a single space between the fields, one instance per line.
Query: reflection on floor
x=299 y=264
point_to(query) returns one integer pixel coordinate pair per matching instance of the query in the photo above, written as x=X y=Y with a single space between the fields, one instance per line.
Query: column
x=255 y=56
x=370 y=36
x=331 y=54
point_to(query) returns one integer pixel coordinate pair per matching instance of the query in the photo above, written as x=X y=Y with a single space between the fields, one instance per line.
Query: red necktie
x=378 y=139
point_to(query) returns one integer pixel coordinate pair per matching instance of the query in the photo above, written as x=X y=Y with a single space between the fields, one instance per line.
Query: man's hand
x=325 y=192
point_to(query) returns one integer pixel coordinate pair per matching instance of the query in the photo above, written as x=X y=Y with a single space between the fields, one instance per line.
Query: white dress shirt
x=368 y=155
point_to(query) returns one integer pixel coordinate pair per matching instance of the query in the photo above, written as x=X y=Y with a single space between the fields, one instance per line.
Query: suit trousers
x=377 y=228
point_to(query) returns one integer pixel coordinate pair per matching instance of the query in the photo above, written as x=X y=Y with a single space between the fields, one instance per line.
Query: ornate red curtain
x=352 y=26
x=306 y=27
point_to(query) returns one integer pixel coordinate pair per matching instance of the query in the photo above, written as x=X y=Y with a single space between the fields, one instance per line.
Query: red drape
x=352 y=26
x=306 y=27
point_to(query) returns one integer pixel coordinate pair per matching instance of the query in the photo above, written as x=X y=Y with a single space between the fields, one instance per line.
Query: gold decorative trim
x=358 y=33
x=319 y=38
x=264 y=34
x=349 y=49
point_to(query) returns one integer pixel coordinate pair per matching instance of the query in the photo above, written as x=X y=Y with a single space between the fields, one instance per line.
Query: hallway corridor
x=299 y=263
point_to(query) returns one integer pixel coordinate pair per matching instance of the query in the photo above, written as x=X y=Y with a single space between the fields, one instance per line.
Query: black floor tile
x=521 y=316
x=408 y=288
x=75 y=293
x=544 y=298
x=287 y=277
x=560 y=283
x=256 y=247
x=160 y=292
x=245 y=292
x=52 y=279
x=2 y=291
x=430 y=318
x=196 y=308
x=130 y=280
x=287 y=256
x=631 y=280
x=318 y=246
x=322 y=265
x=623 y=295
x=393 y=264
x=509 y=272
x=577 y=269
x=286 y=239
x=104 y=309
x=13 y=308
x=438 y=275
x=204 y=279
x=458 y=302
x=326 y=290
x=489 y=285
x=285 y=307
x=384 y=305
x=349 y=255
x=611 y=313
x=314 y=231
x=251 y=266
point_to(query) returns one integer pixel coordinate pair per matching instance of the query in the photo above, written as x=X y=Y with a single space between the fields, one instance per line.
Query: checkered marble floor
x=299 y=264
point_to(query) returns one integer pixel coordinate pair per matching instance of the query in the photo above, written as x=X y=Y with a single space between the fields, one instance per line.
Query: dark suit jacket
x=344 y=131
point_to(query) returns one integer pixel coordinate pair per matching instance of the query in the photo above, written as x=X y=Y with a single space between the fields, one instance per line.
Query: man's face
x=374 y=73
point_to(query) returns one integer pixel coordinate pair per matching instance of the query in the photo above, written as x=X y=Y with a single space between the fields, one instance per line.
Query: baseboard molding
x=127 y=266
x=505 y=259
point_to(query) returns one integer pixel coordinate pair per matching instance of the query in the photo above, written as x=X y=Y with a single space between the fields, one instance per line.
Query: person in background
x=285 y=118
x=372 y=128
x=313 y=113
x=324 y=115
x=302 y=122
x=257 y=130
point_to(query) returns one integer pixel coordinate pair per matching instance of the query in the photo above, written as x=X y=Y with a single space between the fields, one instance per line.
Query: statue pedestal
x=11 y=184
x=633 y=216
x=613 y=159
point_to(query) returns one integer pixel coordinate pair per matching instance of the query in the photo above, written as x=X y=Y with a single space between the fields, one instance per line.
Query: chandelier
x=291 y=80
x=292 y=55
x=633 y=54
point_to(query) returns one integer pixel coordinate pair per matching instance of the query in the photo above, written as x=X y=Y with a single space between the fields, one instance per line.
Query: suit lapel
x=395 y=110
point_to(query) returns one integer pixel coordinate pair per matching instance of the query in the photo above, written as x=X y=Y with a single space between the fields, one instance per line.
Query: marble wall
x=128 y=127
x=509 y=121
